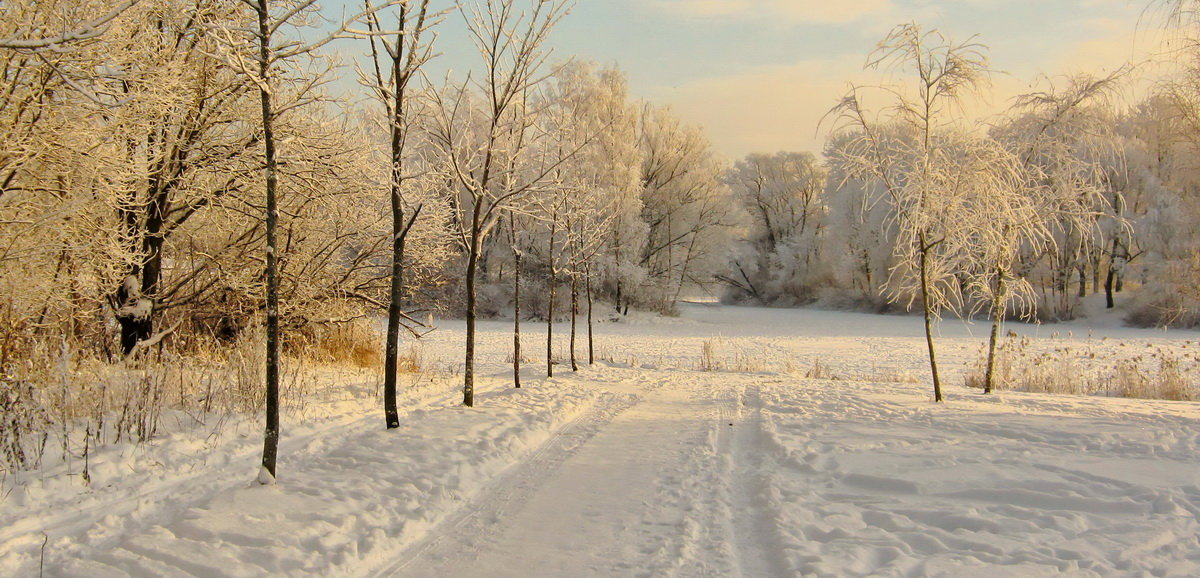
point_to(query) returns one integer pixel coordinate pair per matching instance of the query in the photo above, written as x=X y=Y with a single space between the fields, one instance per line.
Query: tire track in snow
x=758 y=550
x=459 y=535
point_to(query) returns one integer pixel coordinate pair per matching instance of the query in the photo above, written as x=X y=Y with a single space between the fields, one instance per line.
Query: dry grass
x=412 y=361
x=818 y=371
x=713 y=358
x=355 y=343
x=708 y=356
x=1156 y=373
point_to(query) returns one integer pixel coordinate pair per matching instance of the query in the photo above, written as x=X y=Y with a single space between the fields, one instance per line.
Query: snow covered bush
x=782 y=201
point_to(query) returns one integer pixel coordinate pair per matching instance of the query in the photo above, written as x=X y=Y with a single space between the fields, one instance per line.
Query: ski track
x=755 y=504
x=645 y=466
x=460 y=535
x=556 y=514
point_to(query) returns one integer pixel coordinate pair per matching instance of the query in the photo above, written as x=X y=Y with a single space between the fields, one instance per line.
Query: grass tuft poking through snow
x=1152 y=371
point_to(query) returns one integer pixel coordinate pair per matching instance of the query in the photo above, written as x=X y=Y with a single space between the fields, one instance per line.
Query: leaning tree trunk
x=271 y=437
x=927 y=309
x=997 y=318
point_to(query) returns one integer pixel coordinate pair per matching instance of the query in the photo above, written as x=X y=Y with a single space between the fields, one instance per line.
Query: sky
x=759 y=75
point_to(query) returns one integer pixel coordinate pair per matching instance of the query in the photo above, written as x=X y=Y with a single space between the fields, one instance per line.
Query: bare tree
x=261 y=52
x=405 y=54
x=481 y=144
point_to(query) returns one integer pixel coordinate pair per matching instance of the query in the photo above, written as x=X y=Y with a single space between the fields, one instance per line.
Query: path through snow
x=643 y=465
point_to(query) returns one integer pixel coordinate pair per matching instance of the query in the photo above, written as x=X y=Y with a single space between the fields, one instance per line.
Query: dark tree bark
x=927 y=310
x=271 y=437
x=472 y=269
x=396 y=290
x=591 y=341
x=1110 y=280
x=516 y=301
x=574 y=316
x=550 y=303
x=403 y=67
x=998 y=300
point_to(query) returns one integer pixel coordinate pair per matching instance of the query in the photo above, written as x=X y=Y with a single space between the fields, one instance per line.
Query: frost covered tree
x=266 y=52
x=685 y=208
x=1065 y=137
x=179 y=102
x=1005 y=220
x=483 y=134
x=918 y=171
x=404 y=52
x=782 y=197
x=860 y=245
x=35 y=27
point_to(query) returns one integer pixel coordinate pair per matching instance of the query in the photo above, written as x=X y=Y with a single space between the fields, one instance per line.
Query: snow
x=644 y=465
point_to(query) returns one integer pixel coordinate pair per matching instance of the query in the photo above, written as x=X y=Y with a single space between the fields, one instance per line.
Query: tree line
x=914 y=206
x=176 y=172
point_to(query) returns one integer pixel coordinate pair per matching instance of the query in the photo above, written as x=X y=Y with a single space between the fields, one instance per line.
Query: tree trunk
x=550 y=325
x=1109 y=281
x=997 y=318
x=271 y=437
x=399 y=232
x=928 y=313
x=516 y=316
x=133 y=314
x=1111 y=278
x=472 y=266
x=588 y=287
x=574 y=316
x=550 y=303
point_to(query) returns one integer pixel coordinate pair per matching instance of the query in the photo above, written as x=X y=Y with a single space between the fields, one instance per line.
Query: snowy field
x=646 y=465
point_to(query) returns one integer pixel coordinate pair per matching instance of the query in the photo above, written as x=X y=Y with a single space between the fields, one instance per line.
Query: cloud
x=795 y=11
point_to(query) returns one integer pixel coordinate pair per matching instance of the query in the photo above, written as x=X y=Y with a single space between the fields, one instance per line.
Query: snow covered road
x=664 y=479
x=645 y=465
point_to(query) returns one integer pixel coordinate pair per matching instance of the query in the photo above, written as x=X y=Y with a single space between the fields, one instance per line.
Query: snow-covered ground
x=644 y=464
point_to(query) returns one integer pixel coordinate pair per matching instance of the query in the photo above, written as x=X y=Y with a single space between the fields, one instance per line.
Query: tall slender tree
x=916 y=169
x=405 y=54
x=483 y=146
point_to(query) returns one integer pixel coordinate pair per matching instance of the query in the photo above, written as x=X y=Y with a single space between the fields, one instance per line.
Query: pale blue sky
x=759 y=74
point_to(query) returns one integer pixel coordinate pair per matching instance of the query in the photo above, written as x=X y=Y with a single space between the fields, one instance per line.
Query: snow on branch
x=83 y=31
